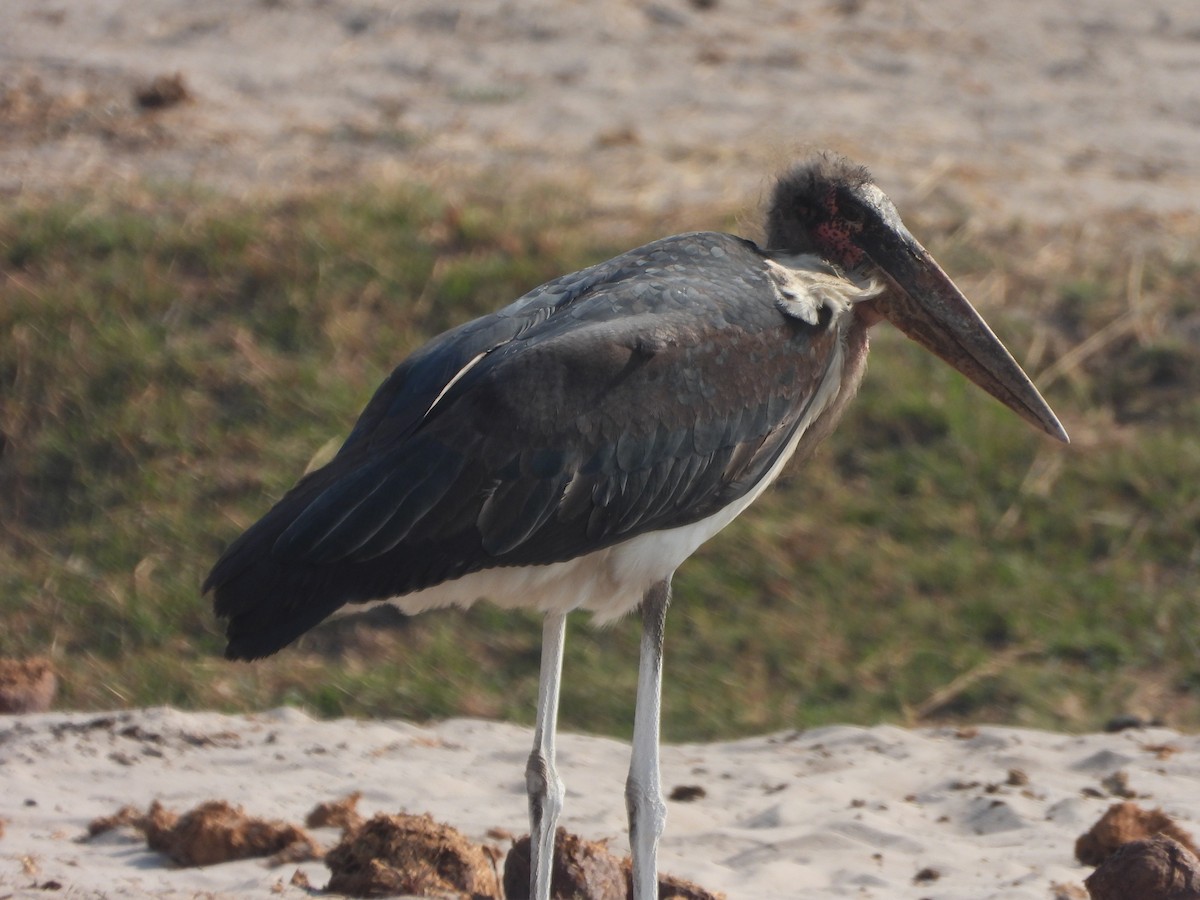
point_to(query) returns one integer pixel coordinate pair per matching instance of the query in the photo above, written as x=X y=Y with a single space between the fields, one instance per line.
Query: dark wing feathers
x=403 y=400
x=398 y=406
x=599 y=406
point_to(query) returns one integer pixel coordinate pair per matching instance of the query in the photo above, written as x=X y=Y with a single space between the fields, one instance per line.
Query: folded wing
x=643 y=394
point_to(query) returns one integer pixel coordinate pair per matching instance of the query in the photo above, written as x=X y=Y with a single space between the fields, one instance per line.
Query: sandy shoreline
x=832 y=812
x=1051 y=110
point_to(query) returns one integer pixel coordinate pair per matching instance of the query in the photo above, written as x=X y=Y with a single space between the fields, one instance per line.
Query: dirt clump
x=1155 y=869
x=126 y=815
x=216 y=831
x=341 y=814
x=404 y=854
x=213 y=832
x=588 y=871
x=1123 y=823
x=583 y=869
x=672 y=888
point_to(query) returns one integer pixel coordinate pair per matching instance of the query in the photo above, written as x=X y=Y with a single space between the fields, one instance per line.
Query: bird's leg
x=541 y=778
x=643 y=789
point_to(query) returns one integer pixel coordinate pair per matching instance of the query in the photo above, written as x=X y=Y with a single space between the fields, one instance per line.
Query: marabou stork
x=571 y=450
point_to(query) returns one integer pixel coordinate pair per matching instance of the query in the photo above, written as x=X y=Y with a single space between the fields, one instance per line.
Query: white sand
x=833 y=812
x=1047 y=109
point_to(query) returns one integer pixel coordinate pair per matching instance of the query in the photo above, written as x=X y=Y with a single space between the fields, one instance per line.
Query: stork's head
x=830 y=207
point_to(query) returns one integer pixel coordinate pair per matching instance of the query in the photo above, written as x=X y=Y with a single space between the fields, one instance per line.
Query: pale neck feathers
x=806 y=284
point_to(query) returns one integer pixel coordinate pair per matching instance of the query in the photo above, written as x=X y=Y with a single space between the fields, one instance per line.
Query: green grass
x=171 y=361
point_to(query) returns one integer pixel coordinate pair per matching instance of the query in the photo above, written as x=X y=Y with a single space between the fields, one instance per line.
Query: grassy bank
x=170 y=363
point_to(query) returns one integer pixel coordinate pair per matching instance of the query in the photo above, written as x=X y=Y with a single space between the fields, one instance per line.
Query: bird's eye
x=854 y=219
x=851 y=212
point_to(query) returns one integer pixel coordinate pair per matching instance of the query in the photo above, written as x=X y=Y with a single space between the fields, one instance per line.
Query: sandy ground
x=1045 y=109
x=1053 y=110
x=980 y=814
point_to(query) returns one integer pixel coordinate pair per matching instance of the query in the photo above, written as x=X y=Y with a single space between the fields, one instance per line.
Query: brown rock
x=405 y=854
x=1122 y=823
x=1154 y=869
x=27 y=685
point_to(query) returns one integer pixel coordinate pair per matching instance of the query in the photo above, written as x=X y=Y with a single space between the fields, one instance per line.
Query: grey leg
x=541 y=778
x=643 y=789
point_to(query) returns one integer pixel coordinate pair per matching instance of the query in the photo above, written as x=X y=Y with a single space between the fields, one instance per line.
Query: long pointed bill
x=927 y=307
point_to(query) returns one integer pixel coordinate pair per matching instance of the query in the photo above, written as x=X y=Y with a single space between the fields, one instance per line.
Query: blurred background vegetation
x=170 y=361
